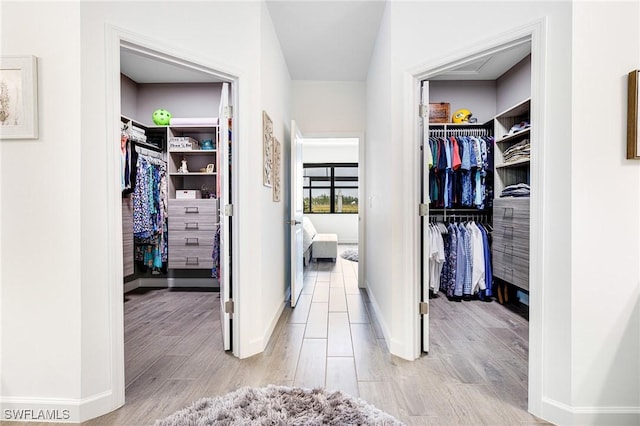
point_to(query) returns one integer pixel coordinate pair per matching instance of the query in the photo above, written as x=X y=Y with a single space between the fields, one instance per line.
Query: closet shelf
x=193 y=174
x=524 y=161
x=515 y=136
x=192 y=151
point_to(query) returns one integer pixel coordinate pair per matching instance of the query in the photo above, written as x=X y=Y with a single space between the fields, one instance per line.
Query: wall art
x=18 y=97
x=267 y=150
x=277 y=167
x=633 y=116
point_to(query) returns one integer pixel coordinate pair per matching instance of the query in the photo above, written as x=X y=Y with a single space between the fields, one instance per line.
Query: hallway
x=476 y=372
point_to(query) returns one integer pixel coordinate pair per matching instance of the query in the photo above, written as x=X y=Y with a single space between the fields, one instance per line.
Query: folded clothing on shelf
x=519 y=151
x=518 y=127
x=516 y=190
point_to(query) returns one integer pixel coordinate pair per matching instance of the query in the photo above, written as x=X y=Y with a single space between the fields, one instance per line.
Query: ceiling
x=323 y=41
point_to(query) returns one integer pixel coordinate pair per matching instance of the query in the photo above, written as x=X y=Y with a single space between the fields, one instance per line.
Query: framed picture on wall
x=277 y=165
x=633 y=117
x=18 y=97
x=267 y=150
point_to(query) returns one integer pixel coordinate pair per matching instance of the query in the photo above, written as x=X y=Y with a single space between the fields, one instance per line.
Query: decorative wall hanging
x=277 y=164
x=267 y=149
x=633 y=116
x=18 y=97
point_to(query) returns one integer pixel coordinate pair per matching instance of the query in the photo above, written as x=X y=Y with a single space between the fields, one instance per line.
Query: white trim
x=536 y=33
x=62 y=410
x=583 y=415
x=537 y=214
x=114 y=38
x=376 y=310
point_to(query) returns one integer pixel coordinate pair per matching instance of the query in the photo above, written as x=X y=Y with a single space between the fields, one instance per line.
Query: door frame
x=362 y=238
x=536 y=33
x=115 y=37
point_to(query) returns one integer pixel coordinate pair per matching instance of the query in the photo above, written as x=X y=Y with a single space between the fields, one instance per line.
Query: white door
x=295 y=220
x=425 y=220
x=224 y=178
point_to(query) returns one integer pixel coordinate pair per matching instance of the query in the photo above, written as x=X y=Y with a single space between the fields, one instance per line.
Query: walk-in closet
x=176 y=133
x=475 y=187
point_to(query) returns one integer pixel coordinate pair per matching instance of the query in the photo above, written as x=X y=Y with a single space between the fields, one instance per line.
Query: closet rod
x=149 y=153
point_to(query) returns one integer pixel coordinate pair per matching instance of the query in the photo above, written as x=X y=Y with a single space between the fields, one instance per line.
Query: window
x=330 y=188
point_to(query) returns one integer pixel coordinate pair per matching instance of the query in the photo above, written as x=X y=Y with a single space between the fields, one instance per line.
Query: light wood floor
x=475 y=373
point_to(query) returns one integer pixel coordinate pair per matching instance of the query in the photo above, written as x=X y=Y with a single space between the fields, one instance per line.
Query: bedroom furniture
x=321 y=246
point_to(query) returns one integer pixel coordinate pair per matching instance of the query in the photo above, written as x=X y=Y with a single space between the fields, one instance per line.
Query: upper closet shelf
x=514 y=136
x=524 y=161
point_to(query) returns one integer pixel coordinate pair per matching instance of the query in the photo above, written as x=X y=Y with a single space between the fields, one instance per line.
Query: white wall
x=327 y=150
x=605 y=295
x=274 y=278
x=329 y=108
x=59 y=319
x=40 y=227
x=379 y=226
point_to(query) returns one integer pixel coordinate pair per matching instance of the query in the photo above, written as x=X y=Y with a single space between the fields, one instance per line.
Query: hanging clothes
x=150 y=212
x=460 y=171
x=463 y=260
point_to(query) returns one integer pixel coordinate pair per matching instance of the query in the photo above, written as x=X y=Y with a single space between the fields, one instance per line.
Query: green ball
x=161 y=117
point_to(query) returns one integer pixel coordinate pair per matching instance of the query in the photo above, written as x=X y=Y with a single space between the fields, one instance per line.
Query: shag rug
x=350 y=254
x=279 y=405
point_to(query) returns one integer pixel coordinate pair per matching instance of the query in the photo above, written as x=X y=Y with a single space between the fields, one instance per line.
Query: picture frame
x=633 y=115
x=210 y=168
x=277 y=167
x=267 y=150
x=18 y=97
x=439 y=112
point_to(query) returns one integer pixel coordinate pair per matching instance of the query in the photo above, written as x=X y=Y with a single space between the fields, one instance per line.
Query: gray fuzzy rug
x=350 y=254
x=279 y=405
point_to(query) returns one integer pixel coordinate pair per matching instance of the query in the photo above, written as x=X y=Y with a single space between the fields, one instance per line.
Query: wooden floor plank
x=341 y=375
x=337 y=300
x=339 y=335
x=318 y=320
x=311 y=369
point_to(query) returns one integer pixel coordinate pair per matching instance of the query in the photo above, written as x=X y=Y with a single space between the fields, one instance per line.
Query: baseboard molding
x=563 y=414
x=57 y=410
x=376 y=312
x=258 y=345
x=173 y=283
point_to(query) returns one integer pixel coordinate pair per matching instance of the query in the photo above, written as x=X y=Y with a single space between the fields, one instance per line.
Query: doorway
x=465 y=63
x=212 y=165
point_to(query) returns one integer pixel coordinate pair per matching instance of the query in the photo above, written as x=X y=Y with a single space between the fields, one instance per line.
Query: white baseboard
x=57 y=410
x=258 y=345
x=376 y=311
x=563 y=414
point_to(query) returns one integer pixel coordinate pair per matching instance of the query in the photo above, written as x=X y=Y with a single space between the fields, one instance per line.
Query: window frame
x=335 y=183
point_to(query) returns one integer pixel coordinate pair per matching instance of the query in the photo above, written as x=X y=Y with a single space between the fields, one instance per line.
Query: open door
x=424 y=306
x=297 y=212
x=224 y=179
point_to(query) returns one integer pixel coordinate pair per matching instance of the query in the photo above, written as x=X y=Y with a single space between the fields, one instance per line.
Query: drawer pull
x=507 y=209
x=191 y=241
x=192 y=261
x=191 y=225
x=191 y=209
x=508 y=231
